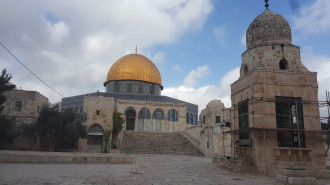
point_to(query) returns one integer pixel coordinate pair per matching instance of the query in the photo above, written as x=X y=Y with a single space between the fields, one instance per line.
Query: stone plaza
x=146 y=169
x=271 y=134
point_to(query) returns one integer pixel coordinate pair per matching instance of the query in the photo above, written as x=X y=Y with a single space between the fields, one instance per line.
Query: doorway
x=130 y=119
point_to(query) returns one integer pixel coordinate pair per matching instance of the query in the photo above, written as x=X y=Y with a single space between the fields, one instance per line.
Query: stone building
x=211 y=133
x=23 y=106
x=133 y=87
x=275 y=110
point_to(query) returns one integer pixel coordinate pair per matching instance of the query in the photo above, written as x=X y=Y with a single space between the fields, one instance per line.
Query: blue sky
x=196 y=44
x=223 y=52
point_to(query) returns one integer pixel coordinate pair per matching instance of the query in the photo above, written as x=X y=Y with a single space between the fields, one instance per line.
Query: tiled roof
x=78 y=100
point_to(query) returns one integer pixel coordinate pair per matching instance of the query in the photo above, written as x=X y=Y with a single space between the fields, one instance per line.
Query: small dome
x=134 y=67
x=268 y=28
x=215 y=104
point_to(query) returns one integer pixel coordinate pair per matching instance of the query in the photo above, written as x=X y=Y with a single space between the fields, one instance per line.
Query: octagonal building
x=133 y=87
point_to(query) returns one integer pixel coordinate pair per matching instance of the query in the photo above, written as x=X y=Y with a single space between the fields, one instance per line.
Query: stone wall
x=23 y=105
x=82 y=145
x=260 y=88
x=212 y=137
x=268 y=58
x=194 y=135
x=210 y=134
x=210 y=143
x=104 y=106
x=150 y=124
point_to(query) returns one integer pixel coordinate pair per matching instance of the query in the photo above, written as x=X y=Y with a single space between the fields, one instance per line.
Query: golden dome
x=134 y=67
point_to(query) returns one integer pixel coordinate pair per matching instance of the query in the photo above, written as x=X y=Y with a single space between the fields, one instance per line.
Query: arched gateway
x=130 y=118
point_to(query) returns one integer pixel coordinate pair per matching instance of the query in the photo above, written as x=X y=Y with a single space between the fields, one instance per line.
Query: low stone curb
x=60 y=157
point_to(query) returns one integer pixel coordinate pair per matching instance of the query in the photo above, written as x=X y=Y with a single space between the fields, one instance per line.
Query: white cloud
x=96 y=34
x=243 y=40
x=314 y=18
x=320 y=64
x=203 y=95
x=225 y=82
x=192 y=78
x=177 y=68
x=58 y=31
x=200 y=96
x=158 y=57
x=221 y=34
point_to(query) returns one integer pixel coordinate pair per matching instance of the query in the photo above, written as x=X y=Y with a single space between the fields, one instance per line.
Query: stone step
x=156 y=142
x=241 y=166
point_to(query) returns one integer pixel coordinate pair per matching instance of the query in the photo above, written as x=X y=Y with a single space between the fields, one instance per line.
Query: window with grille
x=159 y=115
x=217 y=119
x=243 y=119
x=18 y=105
x=172 y=115
x=141 y=123
x=289 y=115
x=158 y=125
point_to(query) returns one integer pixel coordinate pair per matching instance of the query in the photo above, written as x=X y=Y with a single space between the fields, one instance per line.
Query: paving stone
x=149 y=169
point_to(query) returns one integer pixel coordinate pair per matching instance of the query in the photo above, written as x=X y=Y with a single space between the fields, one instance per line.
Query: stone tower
x=276 y=115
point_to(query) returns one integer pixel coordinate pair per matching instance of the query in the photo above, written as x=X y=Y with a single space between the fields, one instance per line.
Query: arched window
x=195 y=119
x=95 y=134
x=128 y=109
x=158 y=114
x=172 y=115
x=187 y=118
x=246 y=71
x=144 y=113
x=191 y=119
x=96 y=129
x=130 y=118
x=283 y=64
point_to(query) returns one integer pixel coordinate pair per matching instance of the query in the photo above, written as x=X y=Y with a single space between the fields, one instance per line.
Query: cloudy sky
x=196 y=44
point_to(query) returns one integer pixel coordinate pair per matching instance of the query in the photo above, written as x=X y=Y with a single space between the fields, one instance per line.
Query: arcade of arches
x=155 y=118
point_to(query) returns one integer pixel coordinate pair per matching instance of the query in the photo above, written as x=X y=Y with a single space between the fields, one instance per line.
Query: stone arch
x=158 y=116
x=95 y=128
x=130 y=114
x=245 y=70
x=283 y=64
x=172 y=115
x=129 y=108
x=143 y=118
x=144 y=113
x=95 y=135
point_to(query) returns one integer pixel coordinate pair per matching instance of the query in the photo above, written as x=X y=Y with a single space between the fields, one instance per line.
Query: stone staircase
x=326 y=174
x=238 y=165
x=143 y=142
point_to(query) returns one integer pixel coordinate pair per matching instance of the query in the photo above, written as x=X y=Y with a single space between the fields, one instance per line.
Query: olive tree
x=57 y=125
